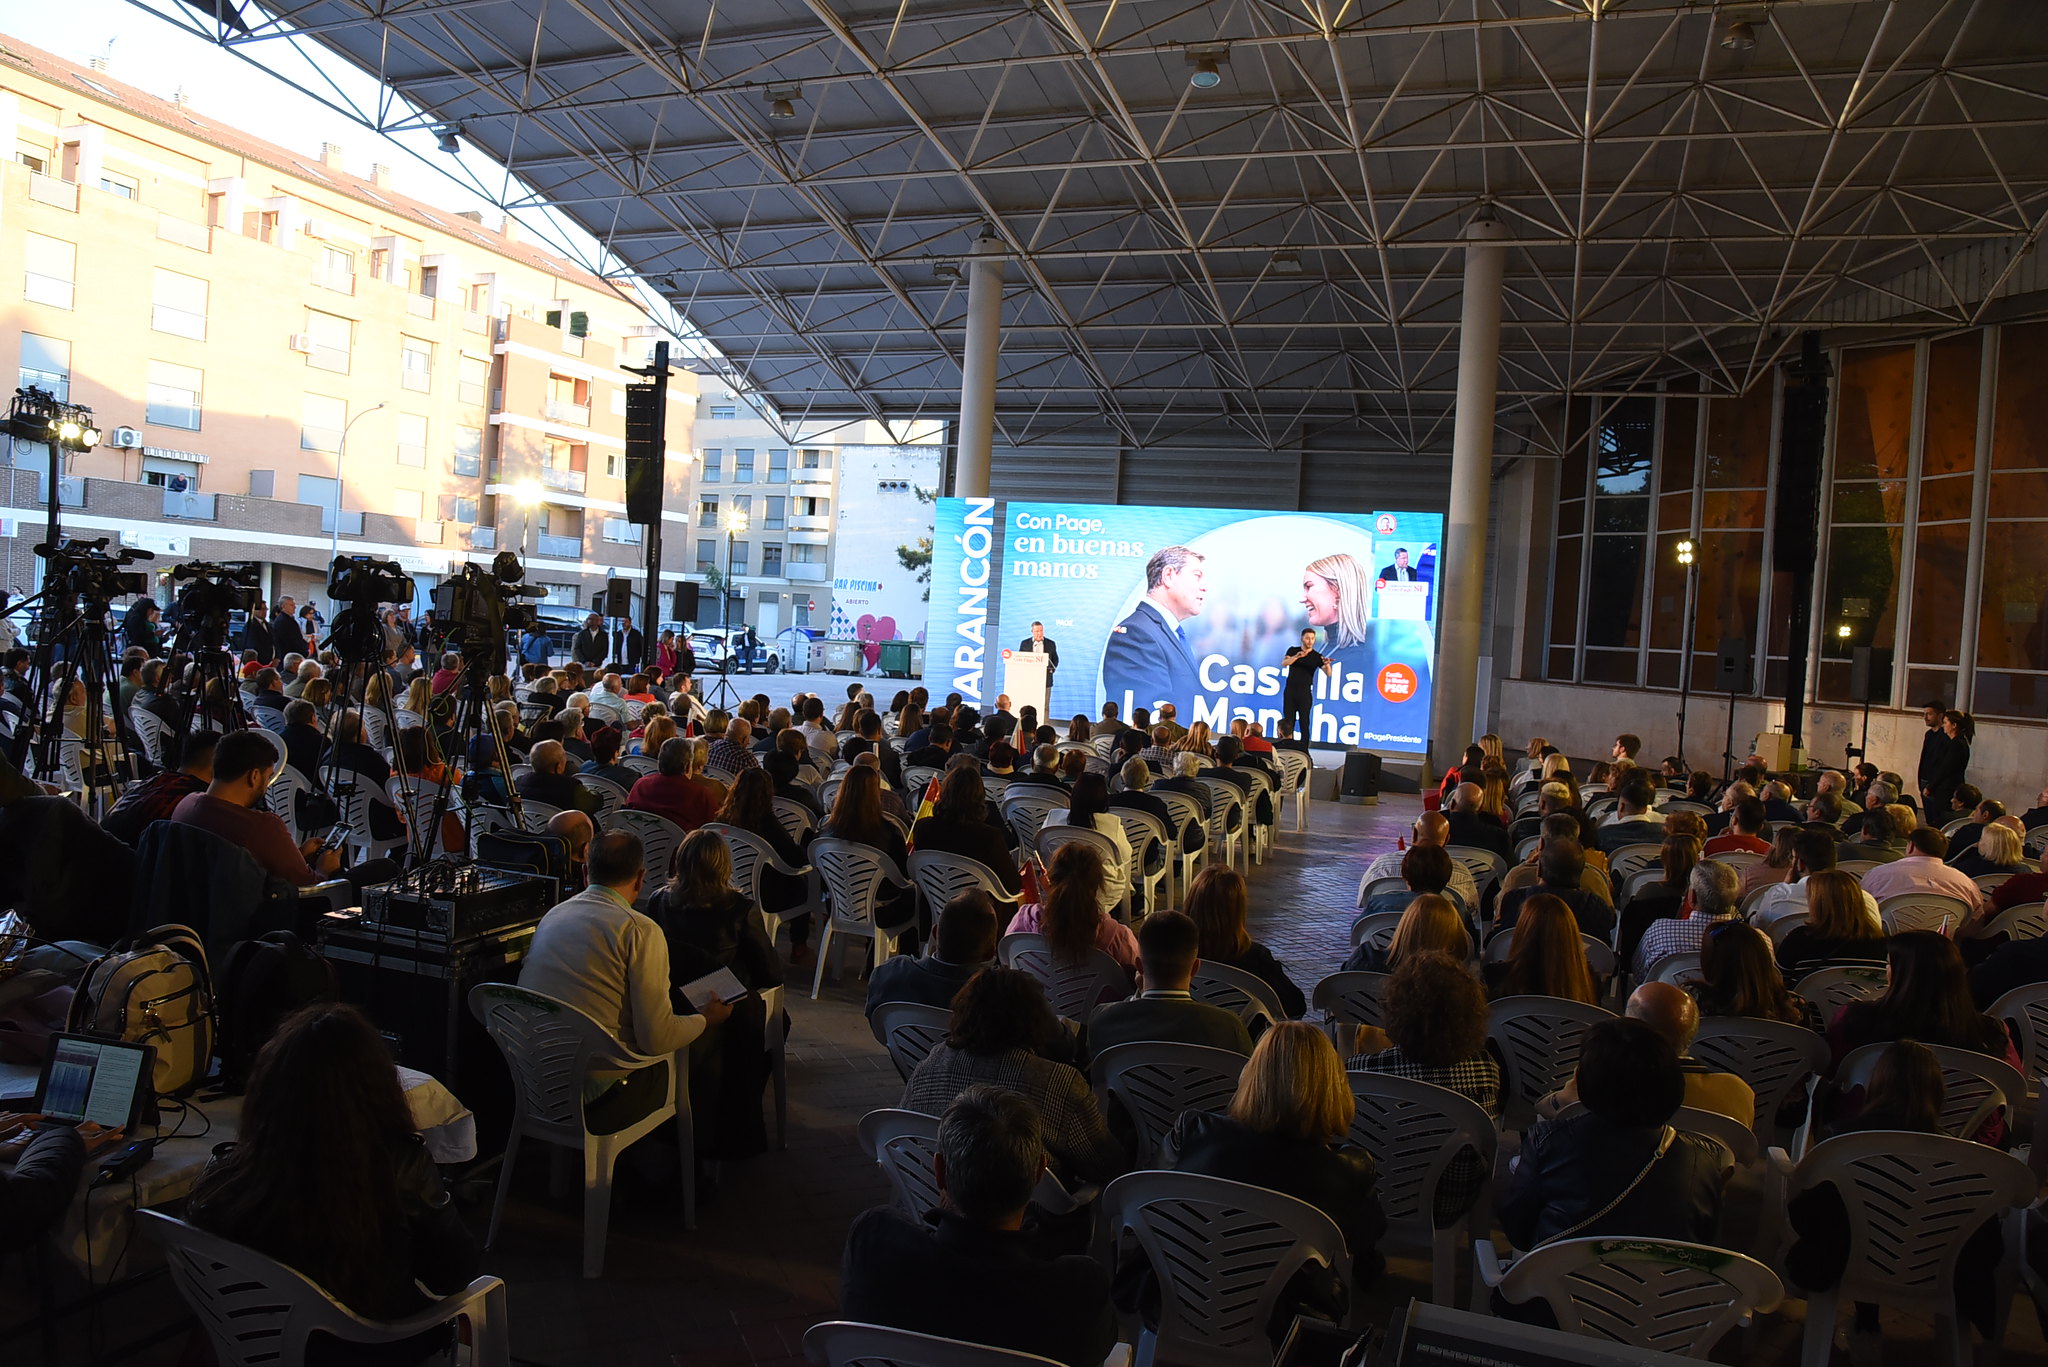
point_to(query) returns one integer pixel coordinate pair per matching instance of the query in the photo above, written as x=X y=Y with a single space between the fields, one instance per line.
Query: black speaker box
x=1731 y=666
x=1870 y=674
x=686 y=603
x=618 y=598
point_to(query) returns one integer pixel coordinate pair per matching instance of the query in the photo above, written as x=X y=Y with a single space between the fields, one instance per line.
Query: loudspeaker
x=686 y=603
x=618 y=598
x=645 y=440
x=1731 y=668
x=1870 y=674
x=1361 y=779
x=1802 y=433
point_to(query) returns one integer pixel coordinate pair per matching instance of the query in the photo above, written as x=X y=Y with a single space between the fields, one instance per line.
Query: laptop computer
x=109 y=1082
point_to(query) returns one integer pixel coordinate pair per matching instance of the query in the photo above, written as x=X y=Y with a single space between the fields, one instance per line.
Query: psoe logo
x=1385 y=525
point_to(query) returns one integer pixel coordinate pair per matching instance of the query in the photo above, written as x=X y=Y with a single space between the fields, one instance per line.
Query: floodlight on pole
x=341 y=454
x=527 y=494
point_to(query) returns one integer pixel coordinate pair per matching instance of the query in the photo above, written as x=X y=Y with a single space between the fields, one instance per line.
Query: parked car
x=712 y=647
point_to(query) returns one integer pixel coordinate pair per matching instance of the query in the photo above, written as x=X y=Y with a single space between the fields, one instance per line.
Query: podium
x=1024 y=679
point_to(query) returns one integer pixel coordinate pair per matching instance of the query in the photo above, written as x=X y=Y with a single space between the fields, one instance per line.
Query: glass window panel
x=1564 y=592
x=1571 y=517
x=1674 y=512
x=1578 y=425
x=1663 y=669
x=2011 y=695
x=2024 y=491
x=1924 y=683
x=1739 y=509
x=1623 y=447
x=1946 y=498
x=1739 y=440
x=1611 y=666
x=1559 y=664
x=2010 y=634
x=1874 y=412
x=1940 y=561
x=1949 y=427
x=2019 y=429
x=1667 y=596
x=1614 y=599
x=1676 y=443
x=1572 y=481
x=1882 y=502
x=1861 y=592
x=1621 y=514
x=1730 y=587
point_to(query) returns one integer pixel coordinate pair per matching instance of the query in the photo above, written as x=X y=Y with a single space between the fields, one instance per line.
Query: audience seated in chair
x=156 y=797
x=1089 y=810
x=1840 y=926
x=328 y=1175
x=1431 y=828
x=1217 y=902
x=39 y=1172
x=1428 y=924
x=969 y=1271
x=552 y=781
x=672 y=790
x=1163 y=1010
x=963 y=943
x=232 y=807
x=1711 y=898
x=1662 y=901
x=1071 y=916
x=1559 y=874
x=710 y=925
x=959 y=824
x=1546 y=957
x=596 y=953
x=1002 y=1031
x=1739 y=977
x=1673 y=1014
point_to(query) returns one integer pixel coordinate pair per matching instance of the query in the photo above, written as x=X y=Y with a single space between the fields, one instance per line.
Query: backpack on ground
x=261 y=982
x=154 y=989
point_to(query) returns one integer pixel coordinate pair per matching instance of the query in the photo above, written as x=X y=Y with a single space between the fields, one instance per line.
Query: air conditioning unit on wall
x=302 y=341
x=127 y=438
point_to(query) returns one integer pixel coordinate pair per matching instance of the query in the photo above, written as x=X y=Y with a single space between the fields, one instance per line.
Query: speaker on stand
x=1870 y=680
x=1731 y=676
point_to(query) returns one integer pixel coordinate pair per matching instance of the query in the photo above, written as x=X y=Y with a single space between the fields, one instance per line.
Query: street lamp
x=735 y=525
x=1687 y=560
x=340 y=454
x=527 y=494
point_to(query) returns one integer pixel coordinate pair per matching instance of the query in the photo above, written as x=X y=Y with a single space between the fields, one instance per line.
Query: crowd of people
x=1510 y=886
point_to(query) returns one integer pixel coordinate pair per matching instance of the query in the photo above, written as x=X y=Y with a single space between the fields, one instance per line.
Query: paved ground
x=763 y=1264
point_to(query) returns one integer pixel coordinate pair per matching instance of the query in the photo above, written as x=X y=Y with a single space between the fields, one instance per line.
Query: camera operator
x=232 y=807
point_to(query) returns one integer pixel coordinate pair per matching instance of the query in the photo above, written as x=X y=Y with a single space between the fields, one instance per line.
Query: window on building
x=554 y=454
x=579 y=322
x=724 y=412
x=814 y=459
x=615 y=464
x=178 y=305
x=707 y=512
x=472 y=380
x=416 y=364
x=319 y=491
x=50 y=268
x=412 y=440
x=459 y=508
x=324 y=421
x=2012 y=648
x=772 y=520
x=469 y=451
x=742 y=510
x=1873 y=414
x=406 y=503
x=714 y=462
x=161 y=473
x=172 y=396
x=1622 y=454
x=742 y=465
x=812 y=507
x=778 y=466
x=125 y=187
x=707 y=552
x=333 y=338
x=46 y=364
x=739 y=557
x=802 y=553
x=36 y=159
x=771 y=560
x=337 y=269
x=619 y=530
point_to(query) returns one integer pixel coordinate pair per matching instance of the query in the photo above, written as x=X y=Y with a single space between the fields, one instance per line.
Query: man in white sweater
x=599 y=955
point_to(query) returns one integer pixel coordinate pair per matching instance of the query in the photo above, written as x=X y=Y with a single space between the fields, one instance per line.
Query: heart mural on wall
x=871 y=631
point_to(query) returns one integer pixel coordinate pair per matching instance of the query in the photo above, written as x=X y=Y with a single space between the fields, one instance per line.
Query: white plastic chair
x=1053 y=835
x=149 y=729
x=551 y=1048
x=1369 y=888
x=1858 y=867
x=1484 y=865
x=1784 y=926
x=610 y=797
x=1538 y=1039
x=1655 y=1294
x=535 y=815
x=1145 y=831
x=1991 y=882
x=642 y=765
x=1072 y=990
x=1226 y=801
x=1975 y=1086
x=354 y=794
x=1831 y=989
x=843 y=1343
x=484 y=818
x=1413 y=1130
x=1628 y=861
x=1376 y=929
x=1223 y=1252
x=903 y=1144
x=1027 y=808
x=255 y=1310
x=1913 y=1201
x=1350 y=999
x=1154 y=1081
x=2036 y=842
x=1676 y=969
x=1187 y=814
x=658 y=840
x=916 y=779
x=853 y=876
x=795 y=818
x=1777 y=1060
x=1922 y=911
x=1297 y=777
x=941 y=877
x=750 y=856
x=282 y=795
x=1599 y=954
x=909 y=1031
x=1738 y=859
x=1245 y=995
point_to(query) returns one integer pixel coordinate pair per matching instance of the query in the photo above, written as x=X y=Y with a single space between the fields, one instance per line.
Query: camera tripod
x=357 y=637
x=211 y=698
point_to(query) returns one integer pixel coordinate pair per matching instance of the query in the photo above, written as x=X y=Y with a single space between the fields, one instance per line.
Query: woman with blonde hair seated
x=1196 y=741
x=1431 y=924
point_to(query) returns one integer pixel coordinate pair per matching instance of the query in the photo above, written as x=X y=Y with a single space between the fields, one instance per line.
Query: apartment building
x=766 y=502
x=288 y=359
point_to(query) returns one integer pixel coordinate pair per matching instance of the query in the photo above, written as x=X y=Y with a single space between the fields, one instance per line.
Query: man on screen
x=1148 y=657
x=1299 y=699
x=1039 y=641
x=1400 y=570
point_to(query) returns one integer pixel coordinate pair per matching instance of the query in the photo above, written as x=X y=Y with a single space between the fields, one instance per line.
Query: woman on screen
x=1338 y=596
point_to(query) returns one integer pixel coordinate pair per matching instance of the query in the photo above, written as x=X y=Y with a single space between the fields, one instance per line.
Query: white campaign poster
x=884 y=518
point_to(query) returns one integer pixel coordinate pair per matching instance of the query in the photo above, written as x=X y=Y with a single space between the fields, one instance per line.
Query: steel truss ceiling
x=1271 y=258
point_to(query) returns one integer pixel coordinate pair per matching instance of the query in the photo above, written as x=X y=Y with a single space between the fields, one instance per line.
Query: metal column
x=1461 y=569
x=978 y=368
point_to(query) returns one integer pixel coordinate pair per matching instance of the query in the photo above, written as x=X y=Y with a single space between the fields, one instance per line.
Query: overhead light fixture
x=444 y=134
x=946 y=270
x=782 y=101
x=1208 y=66
x=1287 y=263
x=1739 y=36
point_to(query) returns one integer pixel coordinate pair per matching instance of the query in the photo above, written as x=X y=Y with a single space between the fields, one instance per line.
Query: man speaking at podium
x=1400 y=570
x=1148 y=659
x=1039 y=641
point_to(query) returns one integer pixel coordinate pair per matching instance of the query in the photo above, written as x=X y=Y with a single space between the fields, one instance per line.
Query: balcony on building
x=420 y=305
x=191 y=506
x=810 y=522
x=576 y=414
x=559 y=547
x=562 y=481
x=348 y=521
x=482 y=538
x=806 y=571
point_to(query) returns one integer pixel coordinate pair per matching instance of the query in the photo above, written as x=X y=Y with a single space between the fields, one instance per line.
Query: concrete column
x=977 y=428
x=1461 y=567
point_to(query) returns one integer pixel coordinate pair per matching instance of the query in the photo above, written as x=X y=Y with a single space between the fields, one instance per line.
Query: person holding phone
x=233 y=808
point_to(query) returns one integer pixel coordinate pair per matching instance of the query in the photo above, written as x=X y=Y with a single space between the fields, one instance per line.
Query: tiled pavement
x=763 y=1264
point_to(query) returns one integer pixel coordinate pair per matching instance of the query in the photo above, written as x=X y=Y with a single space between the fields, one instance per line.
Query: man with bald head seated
x=1430 y=829
x=1473 y=828
x=576 y=831
x=1673 y=1014
x=551 y=782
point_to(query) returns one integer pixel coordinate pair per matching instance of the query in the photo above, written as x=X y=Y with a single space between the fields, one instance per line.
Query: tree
x=917 y=557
